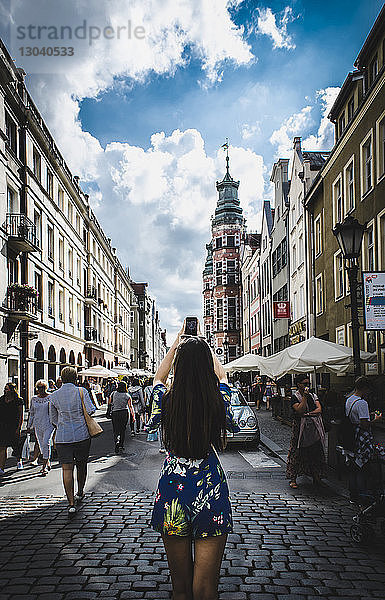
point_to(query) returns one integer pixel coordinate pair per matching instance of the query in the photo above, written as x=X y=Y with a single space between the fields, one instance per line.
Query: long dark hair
x=193 y=412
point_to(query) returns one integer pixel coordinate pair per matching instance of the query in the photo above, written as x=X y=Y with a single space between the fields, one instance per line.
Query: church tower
x=221 y=275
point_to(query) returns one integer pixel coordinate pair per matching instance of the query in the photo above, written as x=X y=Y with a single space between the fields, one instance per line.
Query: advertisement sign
x=281 y=309
x=374 y=300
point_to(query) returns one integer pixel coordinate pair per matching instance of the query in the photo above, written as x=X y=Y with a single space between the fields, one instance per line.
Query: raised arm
x=166 y=364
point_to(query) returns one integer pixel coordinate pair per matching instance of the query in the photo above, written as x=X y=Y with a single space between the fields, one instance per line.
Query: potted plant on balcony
x=23 y=290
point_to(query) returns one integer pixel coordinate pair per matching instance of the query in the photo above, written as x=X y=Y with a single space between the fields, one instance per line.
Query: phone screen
x=191 y=326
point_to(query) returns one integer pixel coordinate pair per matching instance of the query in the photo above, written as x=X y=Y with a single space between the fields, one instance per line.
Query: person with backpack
x=356 y=438
x=138 y=404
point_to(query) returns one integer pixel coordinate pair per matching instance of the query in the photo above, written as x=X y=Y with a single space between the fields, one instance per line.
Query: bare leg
x=68 y=482
x=207 y=566
x=179 y=556
x=81 y=475
x=3 y=457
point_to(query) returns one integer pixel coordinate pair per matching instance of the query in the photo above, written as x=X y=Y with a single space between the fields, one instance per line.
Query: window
x=231 y=272
x=373 y=70
x=61 y=253
x=50 y=242
x=11 y=201
x=230 y=241
x=350 y=109
x=381 y=147
x=37 y=221
x=39 y=288
x=36 y=164
x=340 y=335
x=369 y=249
x=382 y=241
x=219 y=273
x=319 y=294
x=51 y=298
x=337 y=201
x=300 y=250
x=218 y=242
x=70 y=213
x=49 y=183
x=70 y=263
x=78 y=223
x=301 y=301
x=318 y=236
x=61 y=304
x=339 y=276
x=78 y=271
x=294 y=257
x=341 y=125
x=11 y=133
x=294 y=307
x=60 y=199
x=232 y=352
x=70 y=311
x=219 y=314
x=283 y=253
x=231 y=313
x=349 y=183
x=366 y=165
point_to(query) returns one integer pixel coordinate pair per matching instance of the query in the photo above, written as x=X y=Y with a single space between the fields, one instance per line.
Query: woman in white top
x=120 y=404
x=39 y=421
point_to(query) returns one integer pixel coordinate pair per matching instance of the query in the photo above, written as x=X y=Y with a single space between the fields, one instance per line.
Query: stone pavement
x=284 y=547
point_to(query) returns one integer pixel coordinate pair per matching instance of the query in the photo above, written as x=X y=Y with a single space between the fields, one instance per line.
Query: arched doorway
x=52 y=363
x=95 y=361
x=108 y=365
x=104 y=363
x=80 y=361
x=71 y=358
x=39 y=362
x=63 y=359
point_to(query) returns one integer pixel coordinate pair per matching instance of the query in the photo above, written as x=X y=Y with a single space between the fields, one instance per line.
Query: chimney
x=76 y=179
x=297 y=143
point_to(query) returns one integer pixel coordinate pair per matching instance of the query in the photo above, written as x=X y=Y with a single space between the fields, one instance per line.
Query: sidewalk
x=275 y=436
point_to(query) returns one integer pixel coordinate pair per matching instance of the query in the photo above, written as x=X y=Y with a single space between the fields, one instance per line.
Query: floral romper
x=192 y=498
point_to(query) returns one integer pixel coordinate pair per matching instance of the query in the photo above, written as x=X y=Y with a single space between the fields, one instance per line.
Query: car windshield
x=237 y=399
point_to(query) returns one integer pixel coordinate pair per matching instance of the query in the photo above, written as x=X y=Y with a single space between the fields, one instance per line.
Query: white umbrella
x=248 y=362
x=97 y=371
x=121 y=370
x=312 y=354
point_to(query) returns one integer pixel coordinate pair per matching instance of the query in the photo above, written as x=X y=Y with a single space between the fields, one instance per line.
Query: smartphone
x=191 y=327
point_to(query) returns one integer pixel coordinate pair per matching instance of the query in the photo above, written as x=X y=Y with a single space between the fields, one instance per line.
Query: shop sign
x=281 y=309
x=374 y=300
x=297 y=328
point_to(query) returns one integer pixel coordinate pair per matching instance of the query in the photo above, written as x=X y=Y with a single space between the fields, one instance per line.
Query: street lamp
x=349 y=236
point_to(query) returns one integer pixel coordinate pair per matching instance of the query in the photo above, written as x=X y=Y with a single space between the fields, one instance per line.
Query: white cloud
x=292 y=126
x=275 y=27
x=252 y=130
x=324 y=138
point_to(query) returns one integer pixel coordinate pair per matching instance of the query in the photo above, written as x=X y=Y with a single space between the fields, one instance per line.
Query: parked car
x=246 y=419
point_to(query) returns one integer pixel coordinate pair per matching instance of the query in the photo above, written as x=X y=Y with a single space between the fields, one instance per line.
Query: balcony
x=90 y=295
x=90 y=334
x=21 y=302
x=21 y=233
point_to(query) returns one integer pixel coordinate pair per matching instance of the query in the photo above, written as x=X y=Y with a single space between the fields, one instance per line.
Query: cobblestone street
x=283 y=547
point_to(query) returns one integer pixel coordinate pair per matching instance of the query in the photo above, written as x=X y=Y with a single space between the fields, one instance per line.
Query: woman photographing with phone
x=192 y=500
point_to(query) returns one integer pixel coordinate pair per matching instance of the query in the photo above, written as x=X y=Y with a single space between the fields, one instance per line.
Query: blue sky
x=141 y=121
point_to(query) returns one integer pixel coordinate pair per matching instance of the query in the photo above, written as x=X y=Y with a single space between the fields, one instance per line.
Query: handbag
x=93 y=426
x=152 y=437
x=25 y=452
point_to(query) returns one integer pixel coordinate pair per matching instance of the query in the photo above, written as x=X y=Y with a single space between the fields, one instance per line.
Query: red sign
x=281 y=309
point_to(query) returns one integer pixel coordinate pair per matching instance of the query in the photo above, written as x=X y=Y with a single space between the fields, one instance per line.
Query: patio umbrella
x=121 y=371
x=97 y=371
x=312 y=354
x=248 y=362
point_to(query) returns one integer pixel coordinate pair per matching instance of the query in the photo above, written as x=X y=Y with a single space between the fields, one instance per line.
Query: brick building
x=221 y=276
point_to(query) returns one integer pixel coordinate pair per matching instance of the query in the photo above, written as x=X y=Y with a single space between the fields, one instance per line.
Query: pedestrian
x=11 y=420
x=39 y=421
x=192 y=500
x=257 y=388
x=268 y=393
x=307 y=446
x=72 y=437
x=51 y=386
x=120 y=405
x=148 y=396
x=136 y=394
x=362 y=474
x=59 y=383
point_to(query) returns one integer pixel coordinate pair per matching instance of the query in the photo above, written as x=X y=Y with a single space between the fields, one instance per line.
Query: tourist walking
x=192 y=500
x=40 y=422
x=72 y=437
x=363 y=472
x=51 y=386
x=11 y=420
x=120 y=406
x=136 y=394
x=307 y=446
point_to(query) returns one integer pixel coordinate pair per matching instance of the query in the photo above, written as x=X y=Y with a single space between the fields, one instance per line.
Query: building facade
x=352 y=182
x=266 y=317
x=221 y=281
x=250 y=273
x=279 y=252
